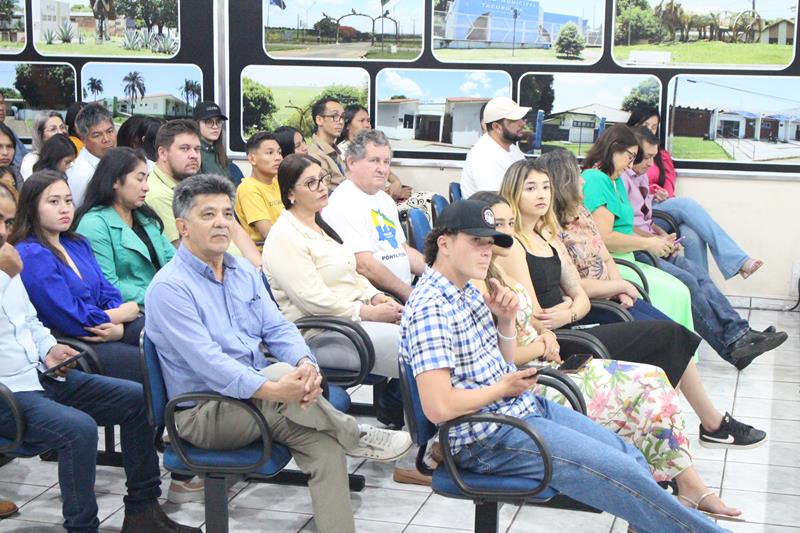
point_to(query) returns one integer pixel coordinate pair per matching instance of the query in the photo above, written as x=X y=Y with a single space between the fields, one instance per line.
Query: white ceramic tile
x=531 y=519
x=762 y=508
x=786 y=373
x=430 y=529
x=17 y=492
x=710 y=471
x=47 y=507
x=740 y=302
x=367 y=526
x=380 y=475
x=777 y=409
x=762 y=478
x=439 y=511
x=189 y=514
x=771 y=453
x=398 y=506
x=783 y=355
x=24 y=526
x=774 y=304
x=244 y=520
x=747 y=527
x=767 y=390
x=31 y=471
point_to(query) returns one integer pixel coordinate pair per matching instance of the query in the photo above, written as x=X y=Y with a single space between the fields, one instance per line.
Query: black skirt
x=661 y=343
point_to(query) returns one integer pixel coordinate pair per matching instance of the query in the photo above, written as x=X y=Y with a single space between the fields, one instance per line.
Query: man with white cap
x=496 y=150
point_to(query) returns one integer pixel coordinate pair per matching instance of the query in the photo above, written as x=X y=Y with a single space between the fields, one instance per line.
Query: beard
x=511 y=137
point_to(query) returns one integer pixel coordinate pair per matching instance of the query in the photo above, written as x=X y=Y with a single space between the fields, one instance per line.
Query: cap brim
x=518 y=113
x=500 y=239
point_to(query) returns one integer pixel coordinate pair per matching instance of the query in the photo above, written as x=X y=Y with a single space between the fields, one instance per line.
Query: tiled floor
x=764 y=482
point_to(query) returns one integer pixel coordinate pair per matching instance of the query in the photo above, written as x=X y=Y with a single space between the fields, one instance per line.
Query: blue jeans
x=715 y=319
x=64 y=417
x=703 y=232
x=641 y=310
x=590 y=464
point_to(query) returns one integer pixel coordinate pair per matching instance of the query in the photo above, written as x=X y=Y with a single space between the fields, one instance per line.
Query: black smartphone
x=66 y=362
x=575 y=362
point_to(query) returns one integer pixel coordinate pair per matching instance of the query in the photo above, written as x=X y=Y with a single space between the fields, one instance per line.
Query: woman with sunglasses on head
x=46 y=125
x=65 y=284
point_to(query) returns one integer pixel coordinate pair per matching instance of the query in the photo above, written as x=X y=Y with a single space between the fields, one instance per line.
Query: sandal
x=749 y=268
x=696 y=505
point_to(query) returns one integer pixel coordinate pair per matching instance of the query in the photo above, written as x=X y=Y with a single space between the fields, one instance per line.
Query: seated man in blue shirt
x=209 y=314
x=462 y=362
x=62 y=411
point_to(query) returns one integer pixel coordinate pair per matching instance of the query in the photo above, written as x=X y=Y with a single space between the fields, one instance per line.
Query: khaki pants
x=317 y=437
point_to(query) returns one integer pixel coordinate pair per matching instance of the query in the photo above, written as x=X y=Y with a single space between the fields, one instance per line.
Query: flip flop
x=696 y=505
x=750 y=267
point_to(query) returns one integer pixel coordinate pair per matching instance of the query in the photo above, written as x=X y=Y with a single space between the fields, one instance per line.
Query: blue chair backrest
x=155 y=391
x=438 y=203
x=236 y=173
x=418 y=425
x=455 y=191
x=420 y=227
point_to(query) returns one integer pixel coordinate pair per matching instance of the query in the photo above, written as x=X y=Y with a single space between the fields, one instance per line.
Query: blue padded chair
x=438 y=203
x=485 y=490
x=236 y=174
x=260 y=460
x=418 y=228
x=455 y=191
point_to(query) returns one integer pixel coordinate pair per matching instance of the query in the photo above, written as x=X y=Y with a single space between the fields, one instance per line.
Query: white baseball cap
x=503 y=107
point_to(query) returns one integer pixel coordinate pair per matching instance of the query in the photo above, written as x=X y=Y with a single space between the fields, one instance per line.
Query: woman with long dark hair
x=57 y=153
x=213 y=155
x=701 y=231
x=64 y=281
x=291 y=141
x=8 y=149
x=124 y=232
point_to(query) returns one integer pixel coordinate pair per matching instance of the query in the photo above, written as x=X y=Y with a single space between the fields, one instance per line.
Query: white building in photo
x=396 y=117
x=578 y=125
x=454 y=120
x=52 y=14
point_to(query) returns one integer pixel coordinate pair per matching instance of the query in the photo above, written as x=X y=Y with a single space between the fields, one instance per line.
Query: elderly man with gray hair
x=96 y=129
x=366 y=217
x=208 y=314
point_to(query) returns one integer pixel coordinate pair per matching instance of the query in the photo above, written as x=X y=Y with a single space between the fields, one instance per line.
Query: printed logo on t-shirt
x=387 y=231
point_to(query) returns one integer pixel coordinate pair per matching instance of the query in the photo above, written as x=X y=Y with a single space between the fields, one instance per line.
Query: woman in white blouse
x=311 y=272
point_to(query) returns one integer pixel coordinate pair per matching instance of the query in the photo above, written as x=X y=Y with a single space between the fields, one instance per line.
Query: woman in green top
x=606 y=198
x=124 y=233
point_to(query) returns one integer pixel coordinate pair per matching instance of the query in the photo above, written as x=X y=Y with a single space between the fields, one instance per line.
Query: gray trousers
x=333 y=350
x=317 y=437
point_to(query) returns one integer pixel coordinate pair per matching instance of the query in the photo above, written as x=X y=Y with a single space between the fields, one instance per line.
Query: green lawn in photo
x=280 y=47
x=297 y=96
x=91 y=48
x=402 y=53
x=521 y=55
x=697 y=148
x=578 y=150
x=11 y=45
x=705 y=52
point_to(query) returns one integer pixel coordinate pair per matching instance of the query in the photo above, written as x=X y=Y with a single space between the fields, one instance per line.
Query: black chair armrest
x=574 y=341
x=19 y=420
x=642 y=291
x=452 y=467
x=90 y=363
x=561 y=382
x=356 y=335
x=633 y=266
x=612 y=307
x=649 y=258
x=674 y=227
x=177 y=442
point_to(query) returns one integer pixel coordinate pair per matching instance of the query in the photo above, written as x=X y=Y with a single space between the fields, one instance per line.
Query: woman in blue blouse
x=64 y=281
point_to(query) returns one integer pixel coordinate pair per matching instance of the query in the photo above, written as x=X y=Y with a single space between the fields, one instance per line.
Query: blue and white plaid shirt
x=446 y=327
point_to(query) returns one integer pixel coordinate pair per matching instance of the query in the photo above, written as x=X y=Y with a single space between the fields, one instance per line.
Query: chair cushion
x=443 y=484
x=241 y=456
x=339 y=398
x=26 y=450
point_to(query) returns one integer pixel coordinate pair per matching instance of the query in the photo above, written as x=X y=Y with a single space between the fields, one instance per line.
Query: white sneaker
x=193 y=490
x=383 y=445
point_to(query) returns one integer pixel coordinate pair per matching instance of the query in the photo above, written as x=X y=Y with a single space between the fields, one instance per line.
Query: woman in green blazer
x=124 y=233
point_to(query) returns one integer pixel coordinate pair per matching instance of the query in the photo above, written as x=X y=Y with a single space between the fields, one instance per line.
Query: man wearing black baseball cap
x=462 y=361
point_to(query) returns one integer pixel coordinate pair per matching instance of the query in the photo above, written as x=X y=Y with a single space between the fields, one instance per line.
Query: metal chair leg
x=487 y=517
x=216 y=502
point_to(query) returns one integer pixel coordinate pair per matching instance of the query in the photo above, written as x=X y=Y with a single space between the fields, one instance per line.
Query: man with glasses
x=497 y=149
x=328 y=116
x=715 y=318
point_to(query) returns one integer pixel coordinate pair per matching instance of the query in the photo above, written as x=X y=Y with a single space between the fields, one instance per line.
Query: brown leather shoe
x=411 y=477
x=7 y=509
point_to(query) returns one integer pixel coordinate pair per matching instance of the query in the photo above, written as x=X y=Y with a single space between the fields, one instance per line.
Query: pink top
x=641 y=200
x=669 y=173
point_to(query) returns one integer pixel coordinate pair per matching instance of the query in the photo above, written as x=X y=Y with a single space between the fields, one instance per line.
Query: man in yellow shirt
x=258 y=198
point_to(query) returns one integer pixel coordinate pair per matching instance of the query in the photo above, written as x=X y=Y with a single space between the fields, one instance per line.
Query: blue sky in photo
x=576 y=90
x=436 y=85
x=157 y=78
x=768 y=94
x=286 y=76
x=410 y=14
x=8 y=72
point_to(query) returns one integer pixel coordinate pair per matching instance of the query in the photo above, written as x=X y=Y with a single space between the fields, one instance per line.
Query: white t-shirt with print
x=369 y=223
x=486 y=165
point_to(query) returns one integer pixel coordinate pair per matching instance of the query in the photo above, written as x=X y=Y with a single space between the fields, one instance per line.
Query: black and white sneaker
x=732 y=435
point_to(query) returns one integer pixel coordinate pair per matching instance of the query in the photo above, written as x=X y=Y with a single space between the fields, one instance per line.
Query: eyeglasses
x=631 y=155
x=314 y=184
x=336 y=117
x=213 y=122
x=61 y=128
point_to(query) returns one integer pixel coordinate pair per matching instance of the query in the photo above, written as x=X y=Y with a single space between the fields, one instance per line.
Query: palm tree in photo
x=186 y=90
x=95 y=87
x=197 y=92
x=134 y=85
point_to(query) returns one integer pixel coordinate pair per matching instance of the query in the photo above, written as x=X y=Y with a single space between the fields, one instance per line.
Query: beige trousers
x=317 y=437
